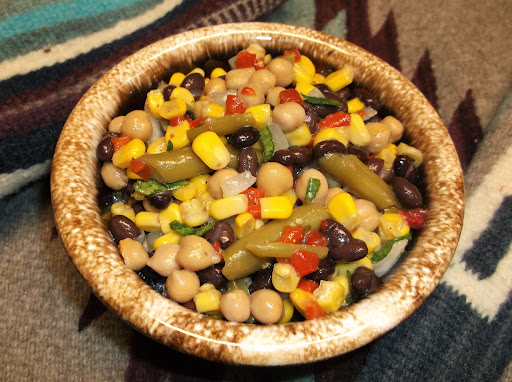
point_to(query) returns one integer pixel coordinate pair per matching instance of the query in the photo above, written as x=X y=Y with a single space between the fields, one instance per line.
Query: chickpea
x=196 y=253
x=113 y=176
x=263 y=78
x=182 y=285
x=136 y=124
x=237 y=78
x=288 y=116
x=215 y=85
x=379 y=135
x=301 y=186
x=115 y=125
x=256 y=49
x=332 y=192
x=201 y=107
x=163 y=260
x=283 y=70
x=267 y=306
x=274 y=179
x=149 y=207
x=134 y=255
x=273 y=95
x=235 y=306
x=368 y=213
x=253 y=98
x=214 y=181
x=396 y=129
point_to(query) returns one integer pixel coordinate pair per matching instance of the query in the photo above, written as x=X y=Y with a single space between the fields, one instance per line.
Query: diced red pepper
x=217 y=248
x=246 y=90
x=415 y=218
x=175 y=121
x=360 y=112
x=313 y=311
x=293 y=51
x=323 y=225
x=290 y=95
x=304 y=262
x=292 y=235
x=316 y=239
x=308 y=285
x=259 y=64
x=196 y=122
x=141 y=169
x=244 y=59
x=337 y=119
x=234 y=104
x=255 y=211
x=253 y=200
x=119 y=142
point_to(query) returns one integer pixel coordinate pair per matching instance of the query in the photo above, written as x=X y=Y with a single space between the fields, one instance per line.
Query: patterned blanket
x=457 y=53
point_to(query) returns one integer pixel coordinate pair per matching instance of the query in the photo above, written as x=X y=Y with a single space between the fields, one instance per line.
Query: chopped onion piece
x=280 y=141
x=157 y=129
x=220 y=97
x=315 y=92
x=384 y=266
x=369 y=112
x=237 y=184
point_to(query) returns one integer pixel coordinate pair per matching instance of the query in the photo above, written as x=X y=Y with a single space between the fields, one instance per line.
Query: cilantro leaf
x=321 y=101
x=151 y=186
x=268 y=144
x=384 y=250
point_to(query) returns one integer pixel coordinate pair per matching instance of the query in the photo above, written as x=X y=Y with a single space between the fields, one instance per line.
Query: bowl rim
x=96 y=258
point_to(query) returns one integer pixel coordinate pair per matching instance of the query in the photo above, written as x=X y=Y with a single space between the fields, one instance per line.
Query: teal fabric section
x=16 y=7
x=296 y=12
x=58 y=13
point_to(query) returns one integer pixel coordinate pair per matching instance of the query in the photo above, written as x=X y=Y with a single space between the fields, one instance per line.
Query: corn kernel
x=344 y=210
x=276 y=207
x=120 y=208
x=193 y=212
x=330 y=133
x=306 y=65
x=371 y=239
x=175 y=107
x=217 y=72
x=215 y=110
x=354 y=105
x=391 y=226
x=318 y=78
x=167 y=216
x=258 y=145
x=330 y=295
x=197 y=70
x=302 y=300
x=291 y=196
x=176 y=79
x=388 y=154
x=342 y=269
x=261 y=113
x=244 y=224
x=259 y=223
x=301 y=136
x=288 y=311
x=359 y=134
x=414 y=153
x=304 y=88
x=185 y=95
x=170 y=237
x=226 y=207
x=157 y=146
x=345 y=282
x=301 y=76
x=131 y=175
x=178 y=135
x=147 y=221
x=207 y=300
x=211 y=150
x=206 y=198
x=339 y=79
x=155 y=100
x=184 y=193
x=199 y=183
x=285 y=278
x=132 y=150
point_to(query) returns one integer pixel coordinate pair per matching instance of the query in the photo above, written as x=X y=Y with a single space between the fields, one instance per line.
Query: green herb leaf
x=349 y=299
x=170 y=146
x=321 y=101
x=268 y=144
x=204 y=229
x=384 y=250
x=185 y=230
x=151 y=186
x=311 y=189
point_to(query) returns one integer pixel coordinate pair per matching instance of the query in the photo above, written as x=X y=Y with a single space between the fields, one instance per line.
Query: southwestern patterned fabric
x=458 y=53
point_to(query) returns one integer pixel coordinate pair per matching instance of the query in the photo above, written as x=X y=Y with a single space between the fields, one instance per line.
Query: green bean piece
x=238 y=284
x=239 y=262
x=283 y=250
x=312 y=189
x=171 y=166
x=358 y=179
x=225 y=125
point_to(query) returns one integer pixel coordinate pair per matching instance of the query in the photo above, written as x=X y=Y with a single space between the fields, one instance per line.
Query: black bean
x=352 y=250
x=160 y=200
x=324 y=110
x=387 y=175
x=137 y=207
x=345 y=93
x=244 y=137
x=129 y=189
x=407 y=193
x=331 y=95
x=366 y=97
x=336 y=232
x=222 y=233
x=312 y=119
x=166 y=91
x=324 y=69
x=363 y=282
x=301 y=155
x=105 y=149
x=213 y=275
x=261 y=280
x=375 y=118
x=404 y=166
x=283 y=156
x=325 y=270
x=248 y=161
x=375 y=164
x=329 y=146
x=121 y=228
x=194 y=82
x=358 y=152
x=152 y=278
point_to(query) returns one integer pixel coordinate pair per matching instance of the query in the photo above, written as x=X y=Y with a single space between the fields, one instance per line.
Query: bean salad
x=264 y=189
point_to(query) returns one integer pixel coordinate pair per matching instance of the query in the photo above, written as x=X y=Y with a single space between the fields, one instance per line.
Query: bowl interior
x=74 y=197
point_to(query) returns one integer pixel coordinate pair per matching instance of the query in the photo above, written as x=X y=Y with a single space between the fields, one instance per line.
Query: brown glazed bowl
x=75 y=175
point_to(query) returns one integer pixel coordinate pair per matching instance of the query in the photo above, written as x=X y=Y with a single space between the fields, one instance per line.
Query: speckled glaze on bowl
x=75 y=174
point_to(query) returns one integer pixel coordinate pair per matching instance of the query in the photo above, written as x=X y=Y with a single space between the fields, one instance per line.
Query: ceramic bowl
x=75 y=175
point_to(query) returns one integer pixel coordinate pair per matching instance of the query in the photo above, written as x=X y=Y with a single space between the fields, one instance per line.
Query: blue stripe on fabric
x=493 y=243
x=56 y=13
